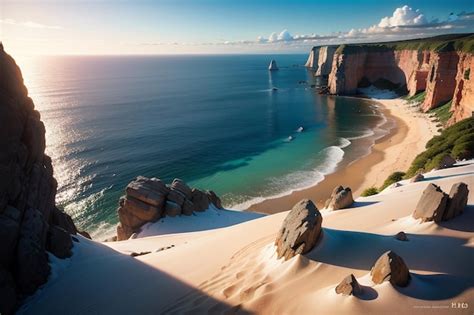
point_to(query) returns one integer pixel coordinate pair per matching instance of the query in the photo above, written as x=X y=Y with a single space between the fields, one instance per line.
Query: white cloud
x=28 y=24
x=403 y=16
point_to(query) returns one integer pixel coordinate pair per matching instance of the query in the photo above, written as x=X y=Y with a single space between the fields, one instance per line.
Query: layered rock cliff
x=440 y=66
x=30 y=223
x=320 y=60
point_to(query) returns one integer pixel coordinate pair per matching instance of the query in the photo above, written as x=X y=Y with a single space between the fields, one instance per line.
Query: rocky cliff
x=30 y=223
x=440 y=66
x=320 y=60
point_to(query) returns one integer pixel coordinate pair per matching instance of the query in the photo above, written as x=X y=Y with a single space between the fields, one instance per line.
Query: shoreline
x=392 y=152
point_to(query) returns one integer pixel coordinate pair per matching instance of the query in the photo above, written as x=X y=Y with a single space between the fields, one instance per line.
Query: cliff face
x=444 y=74
x=30 y=222
x=463 y=99
x=320 y=60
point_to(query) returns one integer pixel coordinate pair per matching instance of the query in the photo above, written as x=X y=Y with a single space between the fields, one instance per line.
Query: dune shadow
x=368 y=293
x=435 y=287
x=358 y=204
x=431 y=178
x=100 y=280
x=360 y=250
x=463 y=222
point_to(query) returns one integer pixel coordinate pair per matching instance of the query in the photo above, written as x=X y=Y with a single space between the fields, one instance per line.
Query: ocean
x=214 y=121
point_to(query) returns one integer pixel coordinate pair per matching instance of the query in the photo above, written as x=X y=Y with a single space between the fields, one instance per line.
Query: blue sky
x=180 y=26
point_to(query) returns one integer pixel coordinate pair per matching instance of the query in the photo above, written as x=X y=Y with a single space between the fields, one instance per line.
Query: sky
x=212 y=27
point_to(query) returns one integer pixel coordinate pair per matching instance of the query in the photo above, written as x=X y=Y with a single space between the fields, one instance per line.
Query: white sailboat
x=273 y=65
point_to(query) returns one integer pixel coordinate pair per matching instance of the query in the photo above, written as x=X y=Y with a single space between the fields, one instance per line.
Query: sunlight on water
x=110 y=119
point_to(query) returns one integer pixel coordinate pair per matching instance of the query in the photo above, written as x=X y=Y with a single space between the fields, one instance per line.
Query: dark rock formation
x=300 y=231
x=341 y=198
x=457 y=201
x=149 y=199
x=30 y=222
x=349 y=286
x=401 y=236
x=446 y=162
x=431 y=205
x=390 y=267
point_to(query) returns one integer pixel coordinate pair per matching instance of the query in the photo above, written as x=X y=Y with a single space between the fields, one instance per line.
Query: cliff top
x=441 y=43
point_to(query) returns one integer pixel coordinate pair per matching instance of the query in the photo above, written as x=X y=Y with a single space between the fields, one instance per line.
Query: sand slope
x=235 y=269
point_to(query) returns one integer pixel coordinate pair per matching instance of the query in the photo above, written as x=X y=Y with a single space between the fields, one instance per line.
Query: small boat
x=290 y=138
x=273 y=66
x=300 y=129
x=274 y=89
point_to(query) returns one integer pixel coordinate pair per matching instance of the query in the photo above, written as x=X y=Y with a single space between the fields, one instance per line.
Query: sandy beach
x=393 y=152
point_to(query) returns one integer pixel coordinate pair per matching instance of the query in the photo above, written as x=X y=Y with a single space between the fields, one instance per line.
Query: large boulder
x=417 y=178
x=341 y=198
x=59 y=242
x=214 y=199
x=9 y=233
x=200 y=200
x=32 y=261
x=349 y=286
x=446 y=162
x=431 y=205
x=151 y=191
x=458 y=196
x=172 y=209
x=180 y=185
x=390 y=267
x=300 y=230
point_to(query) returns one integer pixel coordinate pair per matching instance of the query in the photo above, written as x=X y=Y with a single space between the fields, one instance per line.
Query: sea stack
x=273 y=66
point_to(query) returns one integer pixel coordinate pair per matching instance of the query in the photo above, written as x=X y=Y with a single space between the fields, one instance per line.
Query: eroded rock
x=390 y=267
x=341 y=198
x=417 y=178
x=401 y=236
x=458 y=196
x=349 y=286
x=300 y=230
x=431 y=205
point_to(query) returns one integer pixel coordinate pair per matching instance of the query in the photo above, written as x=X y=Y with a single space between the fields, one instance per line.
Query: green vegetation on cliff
x=456 y=141
x=443 y=112
x=442 y=43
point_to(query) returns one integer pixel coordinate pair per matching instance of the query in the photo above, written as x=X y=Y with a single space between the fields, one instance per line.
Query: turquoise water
x=213 y=121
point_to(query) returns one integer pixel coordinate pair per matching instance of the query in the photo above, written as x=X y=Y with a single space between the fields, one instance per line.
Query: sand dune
x=235 y=269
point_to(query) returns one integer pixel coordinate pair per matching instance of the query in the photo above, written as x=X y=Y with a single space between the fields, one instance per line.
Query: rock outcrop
x=349 y=286
x=300 y=230
x=390 y=267
x=149 y=199
x=444 y=72
x=417 y=178
x=30 y=223
x=320 y=60
x=457 y=201
x=431 y=205
x=341 y=198
x=435 y=205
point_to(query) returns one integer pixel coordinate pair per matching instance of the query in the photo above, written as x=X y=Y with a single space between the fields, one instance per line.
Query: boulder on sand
x=390 y=267
x=431 y=205
x=401 y=236
x=458 y=196
x=341 y=198
x=214 y=199
x=300 y=231
x=417 y=178
x=349 y=286
x=200 y=200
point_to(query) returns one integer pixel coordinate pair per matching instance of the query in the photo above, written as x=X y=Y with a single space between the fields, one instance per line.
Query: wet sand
x=393 y=152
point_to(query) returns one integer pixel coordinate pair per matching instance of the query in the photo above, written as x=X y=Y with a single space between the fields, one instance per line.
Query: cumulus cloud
x=403 y=16
x=28 y=24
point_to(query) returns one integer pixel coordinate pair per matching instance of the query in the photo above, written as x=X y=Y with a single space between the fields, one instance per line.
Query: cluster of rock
x=435 y=205
x=300 y=230
x=388 y=267
x=30 y=223
x=149 y=199
x=341 y=198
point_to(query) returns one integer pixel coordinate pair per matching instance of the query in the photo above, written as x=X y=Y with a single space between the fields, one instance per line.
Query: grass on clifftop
x=442 y=43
